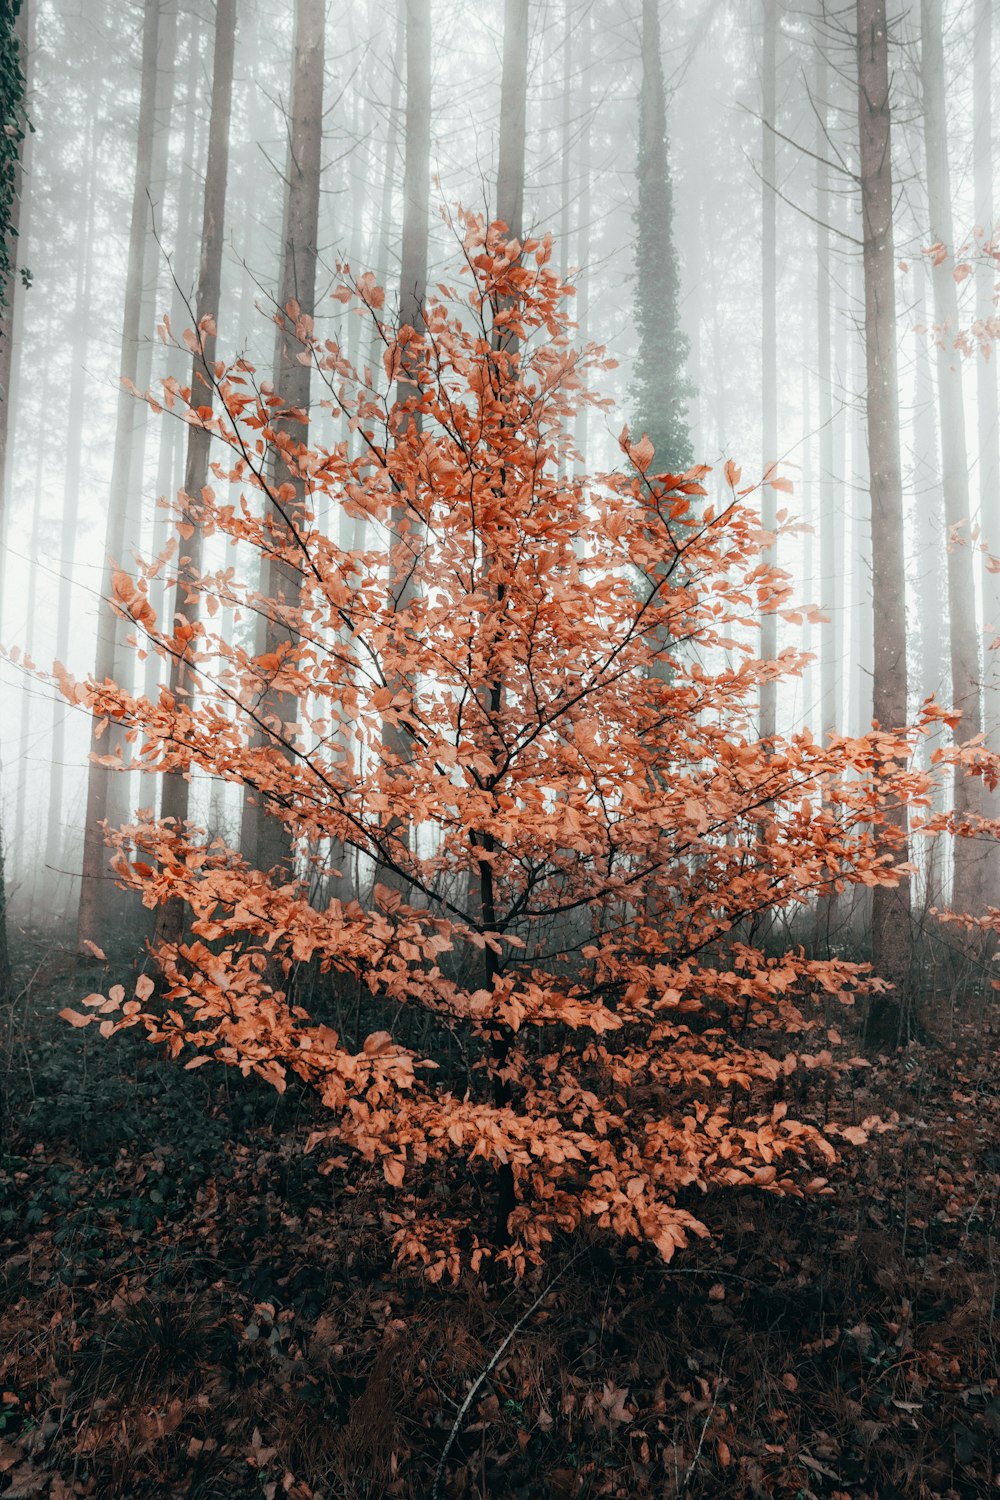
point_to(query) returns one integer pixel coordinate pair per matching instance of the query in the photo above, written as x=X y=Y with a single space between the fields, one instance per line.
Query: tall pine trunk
x=17 y=41
x=176 y=788
x=509 y=209
x=769 y=339
x=55 y=830
x=170 y=459
x=987 y=399
x=265 y=838
x=405 y=533
x=967 y=892
x=830 y=651
x=659 y=385
x=96 y=879
x=891 y=936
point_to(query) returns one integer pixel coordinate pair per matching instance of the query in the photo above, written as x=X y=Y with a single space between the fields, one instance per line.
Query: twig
x=697 y=1451
x=488 y=1369
x=701 y=1439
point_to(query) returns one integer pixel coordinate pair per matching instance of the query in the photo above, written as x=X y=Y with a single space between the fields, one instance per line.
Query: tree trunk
x=987 y=402
x=967 y=893
x=176 y=787
x=659 y=382
x=24 y=848
x=265 y=838
x=583 y=211
x=509 y=209
x=20 y=32
x=566 y=141
x=170 y=461
x=405 y=533
x=769 y=340
x=388 y=175
x=931 y=549
x=96 y=883
x=891 y=937
x=513 y=115
x=55 y=832
x=830 y=651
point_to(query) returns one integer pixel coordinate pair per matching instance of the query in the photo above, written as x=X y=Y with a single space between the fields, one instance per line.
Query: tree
x=769 y=336
x=13 y=84
x=660 y=389
x=263 y=837
x=968 y=892
x=830 y=649
x=584 y=1027
x=106 y=745
x=406 y=539
x=987 y=398
x=513 y=117
x=55 y=831
x=175 y=788
x=891 y=937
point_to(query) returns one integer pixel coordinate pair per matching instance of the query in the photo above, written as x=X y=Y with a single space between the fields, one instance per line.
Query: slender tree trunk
x=566 y=143
x=891 y=937
x=24 y=848
x=123 y=789
x=659 y=381
x=388 y=177
x=176 y=788
x=769 y=339
x=96 y=883
x=7 y=352
x=584 y=209
x=265 y=838
x=166 y=71
x=509 y=209
x=862 y=642
x=987 y=400
x=931 y=537
x=72 y=479
x=830 y=647
x=405 y=533
x=13 y=293
x=809 y=512
x=169 y=469
x=513 y=117
x=930 y=561
x=966 y=675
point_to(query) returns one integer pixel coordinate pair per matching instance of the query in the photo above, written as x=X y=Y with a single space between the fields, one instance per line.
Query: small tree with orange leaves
x=564 y=855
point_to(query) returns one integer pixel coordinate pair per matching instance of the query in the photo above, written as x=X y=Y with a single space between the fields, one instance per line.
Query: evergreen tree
x=660 y=389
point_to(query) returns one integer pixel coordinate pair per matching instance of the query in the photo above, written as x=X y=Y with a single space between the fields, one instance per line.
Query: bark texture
x=176 y=788
x=891 y=935
x=97 y=883
x=264 y=836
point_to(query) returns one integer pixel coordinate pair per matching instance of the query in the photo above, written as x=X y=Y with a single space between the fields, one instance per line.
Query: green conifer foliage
x=660 y=389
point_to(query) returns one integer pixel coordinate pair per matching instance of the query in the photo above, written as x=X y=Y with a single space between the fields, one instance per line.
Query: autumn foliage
x=508 y=731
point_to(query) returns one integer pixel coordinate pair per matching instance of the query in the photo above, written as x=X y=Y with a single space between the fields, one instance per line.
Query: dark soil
x=188 y=1307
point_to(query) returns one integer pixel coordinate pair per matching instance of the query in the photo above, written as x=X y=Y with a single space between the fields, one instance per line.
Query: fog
x=751 y=133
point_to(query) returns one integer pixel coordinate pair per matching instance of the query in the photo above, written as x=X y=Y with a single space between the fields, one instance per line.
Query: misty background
x=761 y=121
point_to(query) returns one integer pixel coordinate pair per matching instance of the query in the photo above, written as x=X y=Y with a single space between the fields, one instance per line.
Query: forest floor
x=189 y=1308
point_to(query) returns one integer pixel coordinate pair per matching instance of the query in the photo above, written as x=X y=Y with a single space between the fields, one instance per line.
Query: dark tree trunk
x=8 y=315
x=406 y=535
x=176 y=788
x=891 y=935
x=266 y=839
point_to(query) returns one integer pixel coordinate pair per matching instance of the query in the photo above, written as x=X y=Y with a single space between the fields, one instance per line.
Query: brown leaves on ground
x=189 y=1308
